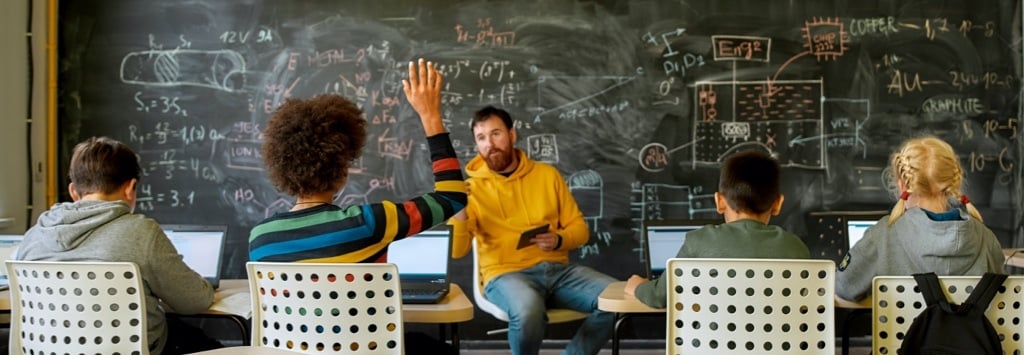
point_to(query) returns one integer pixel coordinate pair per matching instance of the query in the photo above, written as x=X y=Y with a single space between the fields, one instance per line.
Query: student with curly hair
x=932 y=228
x=308 y=146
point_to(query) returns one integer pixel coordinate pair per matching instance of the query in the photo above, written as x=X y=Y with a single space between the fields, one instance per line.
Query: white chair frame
x=742 y=306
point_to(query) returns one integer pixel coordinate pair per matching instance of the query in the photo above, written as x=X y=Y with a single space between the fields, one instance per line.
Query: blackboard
x=635 y=102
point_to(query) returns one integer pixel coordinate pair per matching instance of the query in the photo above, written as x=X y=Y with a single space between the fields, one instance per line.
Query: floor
x=860 y=347
x=853 y=351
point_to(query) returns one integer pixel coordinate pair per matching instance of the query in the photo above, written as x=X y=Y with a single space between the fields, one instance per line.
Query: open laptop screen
x=855 y=229
x=201 y=247
x=662 y=240
x=423 y=256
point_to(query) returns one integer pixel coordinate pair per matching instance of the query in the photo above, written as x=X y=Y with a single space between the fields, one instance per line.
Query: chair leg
x=497 y=331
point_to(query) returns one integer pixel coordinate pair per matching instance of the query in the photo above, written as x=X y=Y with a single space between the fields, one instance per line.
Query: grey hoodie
x=108 y=231
x=916 y=244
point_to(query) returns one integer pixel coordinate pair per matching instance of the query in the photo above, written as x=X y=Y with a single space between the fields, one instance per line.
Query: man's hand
x=632 y=283
x=547 y=241
x=423 y=90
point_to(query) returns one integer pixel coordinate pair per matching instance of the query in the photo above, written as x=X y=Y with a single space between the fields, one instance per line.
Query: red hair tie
x=905 y=195
x=964 y=200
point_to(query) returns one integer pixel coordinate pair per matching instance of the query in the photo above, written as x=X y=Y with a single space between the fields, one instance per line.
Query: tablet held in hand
x=524 y=239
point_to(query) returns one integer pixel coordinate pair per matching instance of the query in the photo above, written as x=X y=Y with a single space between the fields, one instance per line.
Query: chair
x=896 y=301
x=554 y=315
x=733 y=306
x=92 y=307
x=326 y=308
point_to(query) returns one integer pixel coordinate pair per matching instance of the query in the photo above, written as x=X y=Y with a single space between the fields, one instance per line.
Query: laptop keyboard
x=421 y=292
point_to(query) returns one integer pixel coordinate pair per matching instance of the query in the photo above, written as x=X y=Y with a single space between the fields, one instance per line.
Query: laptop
x=662 y=239
x=201 y=246
x=856 y=225
x=8 y=246
x=422 y=261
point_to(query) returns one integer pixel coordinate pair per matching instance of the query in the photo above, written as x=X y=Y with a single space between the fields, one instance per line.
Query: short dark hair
x=101 y=164
x=486 y=113
x=309 y=144
x=750 y=181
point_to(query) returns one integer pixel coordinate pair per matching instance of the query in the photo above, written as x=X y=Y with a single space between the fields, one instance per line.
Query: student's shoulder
x=136 y=222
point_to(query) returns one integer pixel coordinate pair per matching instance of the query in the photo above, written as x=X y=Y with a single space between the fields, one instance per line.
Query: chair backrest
x=91 y=307
x=741 y=306
x=896 y=301
x=478 y=291
x=327 y=308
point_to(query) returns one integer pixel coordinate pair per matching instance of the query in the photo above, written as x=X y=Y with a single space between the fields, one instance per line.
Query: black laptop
x=201 y=246
x=662 y=239
x=422 y=262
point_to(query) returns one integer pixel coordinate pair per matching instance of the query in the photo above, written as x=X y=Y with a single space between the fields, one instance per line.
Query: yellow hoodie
x=500 y=209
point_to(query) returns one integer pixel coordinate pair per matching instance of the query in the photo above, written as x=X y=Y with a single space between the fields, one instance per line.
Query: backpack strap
x=931 y=290
x=984 y=292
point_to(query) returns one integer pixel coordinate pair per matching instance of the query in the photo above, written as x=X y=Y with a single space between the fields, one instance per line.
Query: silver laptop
x=855 y=228
x=201 y=246
x=662 y=240
x=422 y=262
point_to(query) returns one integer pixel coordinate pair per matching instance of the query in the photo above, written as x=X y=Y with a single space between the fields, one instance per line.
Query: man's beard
x=498 y=160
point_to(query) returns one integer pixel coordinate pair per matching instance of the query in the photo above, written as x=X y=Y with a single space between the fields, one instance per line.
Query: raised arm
x=423 y=90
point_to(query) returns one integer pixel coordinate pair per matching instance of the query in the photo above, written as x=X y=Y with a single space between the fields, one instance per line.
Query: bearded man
x=510 y=194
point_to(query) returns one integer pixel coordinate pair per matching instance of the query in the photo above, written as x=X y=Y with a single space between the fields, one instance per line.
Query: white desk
x=615 y=300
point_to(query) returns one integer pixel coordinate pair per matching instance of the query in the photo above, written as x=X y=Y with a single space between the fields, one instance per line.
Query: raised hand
x=423 y=90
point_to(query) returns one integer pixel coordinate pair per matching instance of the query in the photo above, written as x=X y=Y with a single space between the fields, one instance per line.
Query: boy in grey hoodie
x=100 y=226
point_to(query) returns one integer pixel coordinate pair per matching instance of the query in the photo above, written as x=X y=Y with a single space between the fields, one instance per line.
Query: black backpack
x=948 y=328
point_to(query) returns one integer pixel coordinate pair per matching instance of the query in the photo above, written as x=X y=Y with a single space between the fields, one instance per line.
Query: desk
x=453 y=309
x=615 y=300
x=856 y=308
x=1014 y=257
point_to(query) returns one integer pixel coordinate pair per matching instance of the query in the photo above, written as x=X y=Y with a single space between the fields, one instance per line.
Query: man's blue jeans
x=525 y=295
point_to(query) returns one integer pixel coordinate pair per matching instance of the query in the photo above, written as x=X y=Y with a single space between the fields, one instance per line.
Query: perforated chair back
x=748 y=306
x=896 y=300
x=555 y=315
x=90 y=307
x=327 y=308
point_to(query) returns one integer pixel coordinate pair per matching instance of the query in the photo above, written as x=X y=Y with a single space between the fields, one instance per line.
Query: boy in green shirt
x=748 y=195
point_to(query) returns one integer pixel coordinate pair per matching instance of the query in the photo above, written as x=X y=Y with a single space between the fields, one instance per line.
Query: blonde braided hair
x=927 y=167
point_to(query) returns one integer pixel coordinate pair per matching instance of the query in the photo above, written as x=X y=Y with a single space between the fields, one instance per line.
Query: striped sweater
x=361 y=233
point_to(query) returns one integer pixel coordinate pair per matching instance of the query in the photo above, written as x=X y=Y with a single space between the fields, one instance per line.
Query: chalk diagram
x=215 y=69
x=587 y=188
x=542 y=148
x=576 y=108
x=785 y=118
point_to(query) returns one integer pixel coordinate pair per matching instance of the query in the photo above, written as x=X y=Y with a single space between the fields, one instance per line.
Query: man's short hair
x=486 y=113
x=308 y=144
x=750 y=181
x=101 y=164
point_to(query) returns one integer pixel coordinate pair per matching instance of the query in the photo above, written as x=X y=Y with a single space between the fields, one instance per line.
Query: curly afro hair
x=309 y=144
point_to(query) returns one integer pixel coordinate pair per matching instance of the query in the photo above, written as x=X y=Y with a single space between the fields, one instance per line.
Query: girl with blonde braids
x=933 y=227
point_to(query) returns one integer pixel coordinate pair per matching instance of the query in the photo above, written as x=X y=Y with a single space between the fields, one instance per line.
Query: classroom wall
x=13 y=112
